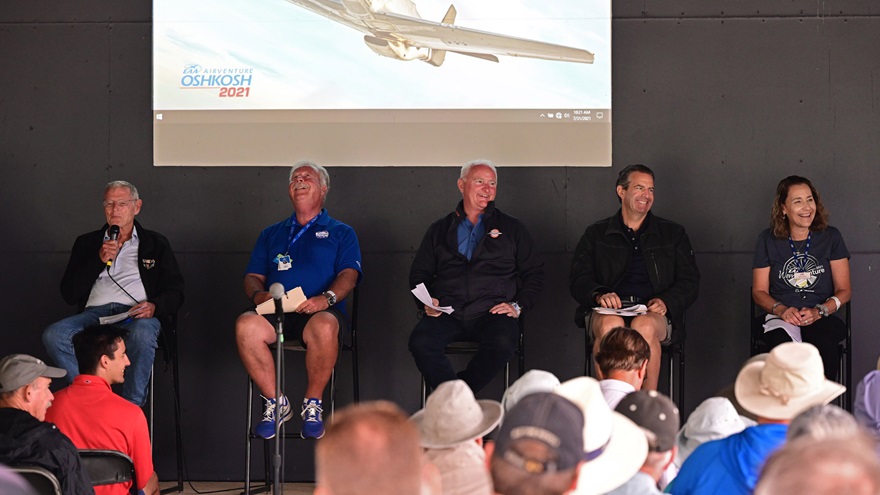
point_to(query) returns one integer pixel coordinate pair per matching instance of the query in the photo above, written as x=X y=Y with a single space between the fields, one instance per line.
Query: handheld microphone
x=113 y=231
x=277 y=292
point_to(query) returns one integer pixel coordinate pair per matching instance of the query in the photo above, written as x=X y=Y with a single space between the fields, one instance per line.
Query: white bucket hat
x=614 y=447
x=453 y=415
x=714 y=418
x=790 y=380
x=532 y=381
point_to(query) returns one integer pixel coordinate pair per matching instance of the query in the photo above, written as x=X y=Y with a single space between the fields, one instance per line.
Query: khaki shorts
x=627 y=320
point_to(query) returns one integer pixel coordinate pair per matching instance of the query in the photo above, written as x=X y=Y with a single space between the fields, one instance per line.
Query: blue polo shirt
x=326 y=248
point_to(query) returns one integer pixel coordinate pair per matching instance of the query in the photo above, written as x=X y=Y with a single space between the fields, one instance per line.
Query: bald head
x=370 y=447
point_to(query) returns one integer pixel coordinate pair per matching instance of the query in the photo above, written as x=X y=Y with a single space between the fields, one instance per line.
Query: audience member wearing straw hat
x=776 y=390
x=452 y=426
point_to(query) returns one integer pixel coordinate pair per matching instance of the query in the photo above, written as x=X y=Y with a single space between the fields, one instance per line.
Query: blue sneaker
x=266 y=428
x=313 y=425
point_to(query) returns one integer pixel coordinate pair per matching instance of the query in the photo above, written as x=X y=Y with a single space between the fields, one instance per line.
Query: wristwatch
x=516 y=306
x=823 y=310
x=331 y=297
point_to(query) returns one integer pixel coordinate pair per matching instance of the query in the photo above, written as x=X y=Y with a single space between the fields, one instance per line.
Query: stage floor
x=234 y=488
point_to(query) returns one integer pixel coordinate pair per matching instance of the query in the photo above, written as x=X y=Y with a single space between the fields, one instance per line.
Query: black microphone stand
x=277 y=487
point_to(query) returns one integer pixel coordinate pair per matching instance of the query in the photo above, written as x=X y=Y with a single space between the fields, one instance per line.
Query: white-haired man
x=119 y=268
x=483 y=263
x=320 y=254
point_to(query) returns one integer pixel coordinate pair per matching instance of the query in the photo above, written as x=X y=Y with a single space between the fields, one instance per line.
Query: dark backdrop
x=722 y=98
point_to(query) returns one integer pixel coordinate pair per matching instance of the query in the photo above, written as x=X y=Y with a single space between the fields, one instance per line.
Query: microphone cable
x=121 y=287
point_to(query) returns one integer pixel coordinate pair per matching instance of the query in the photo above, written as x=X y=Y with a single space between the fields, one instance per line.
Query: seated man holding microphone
x=320 y=254
x=120 y=268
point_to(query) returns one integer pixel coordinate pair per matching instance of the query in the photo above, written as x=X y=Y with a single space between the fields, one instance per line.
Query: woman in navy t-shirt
x=800 y=274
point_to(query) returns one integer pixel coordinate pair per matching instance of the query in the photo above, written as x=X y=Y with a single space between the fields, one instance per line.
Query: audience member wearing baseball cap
x=25 y=439
x=539 y=447
x=658 y=416
x=614 y=448
x=790 y=380
x=452 y=426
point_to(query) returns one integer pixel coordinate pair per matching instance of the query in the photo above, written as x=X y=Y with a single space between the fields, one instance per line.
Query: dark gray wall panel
x=721 y=98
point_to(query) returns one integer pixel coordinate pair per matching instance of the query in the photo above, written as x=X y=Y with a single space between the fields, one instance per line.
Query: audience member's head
x=714 y=418
x=462 y=469
x=24 y=384
x=370 y=447
x=831 y=466
x=100 y=350
x=539 y=447
x=790 y=380
x=658 y=416
x=614 y=448
x=623 y=351
x=452 y=415
x=532 y=381
x=866 y=406
x=452 y=426
x=823 y=421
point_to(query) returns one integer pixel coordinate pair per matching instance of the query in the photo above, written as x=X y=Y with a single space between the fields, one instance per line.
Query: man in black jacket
x=121 y=269
x=483 y=264
x=635 y=257
x=25 y=438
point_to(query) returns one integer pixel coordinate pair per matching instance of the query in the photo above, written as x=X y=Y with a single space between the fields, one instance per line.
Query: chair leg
x=355 y=382
x=152 y=419
x=332 y=391
x=247 y=452
x=424 y=391
x=681 y=396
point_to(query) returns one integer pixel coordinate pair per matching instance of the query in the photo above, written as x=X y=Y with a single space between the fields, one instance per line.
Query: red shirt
x=94 y=417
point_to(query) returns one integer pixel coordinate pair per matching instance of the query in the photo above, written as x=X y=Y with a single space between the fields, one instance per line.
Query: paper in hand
x=290 y=301
x=109 y=320
x=422 y=294
x=634 y=310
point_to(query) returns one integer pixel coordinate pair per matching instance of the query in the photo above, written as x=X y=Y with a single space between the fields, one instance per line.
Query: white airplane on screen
x=394 y=28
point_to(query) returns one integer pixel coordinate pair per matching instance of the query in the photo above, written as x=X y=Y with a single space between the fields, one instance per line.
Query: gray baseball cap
x=18 y=370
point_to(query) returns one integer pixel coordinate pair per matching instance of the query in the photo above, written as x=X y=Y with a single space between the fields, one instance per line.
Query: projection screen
x=381 y=82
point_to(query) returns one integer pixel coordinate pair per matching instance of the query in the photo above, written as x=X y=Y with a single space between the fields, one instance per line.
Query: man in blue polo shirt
x=321 y=255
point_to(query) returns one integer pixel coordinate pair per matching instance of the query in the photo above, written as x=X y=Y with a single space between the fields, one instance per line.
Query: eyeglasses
x=122 y=204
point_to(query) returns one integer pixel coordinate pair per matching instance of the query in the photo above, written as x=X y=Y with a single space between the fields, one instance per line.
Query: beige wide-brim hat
x=615 y=448
x=453 y=415
x=790 y=380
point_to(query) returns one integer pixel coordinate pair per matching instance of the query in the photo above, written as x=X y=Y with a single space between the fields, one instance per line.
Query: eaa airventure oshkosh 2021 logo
x=234 y=82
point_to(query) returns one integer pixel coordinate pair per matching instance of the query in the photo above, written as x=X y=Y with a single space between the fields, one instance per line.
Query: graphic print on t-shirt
x=802 y=272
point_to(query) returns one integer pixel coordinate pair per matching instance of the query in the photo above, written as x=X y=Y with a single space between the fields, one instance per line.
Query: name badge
x=284 y=262
x=802 y=279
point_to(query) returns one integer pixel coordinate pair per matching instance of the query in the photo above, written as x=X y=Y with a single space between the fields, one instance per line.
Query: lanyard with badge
x=283 y=260
x=802 y=277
